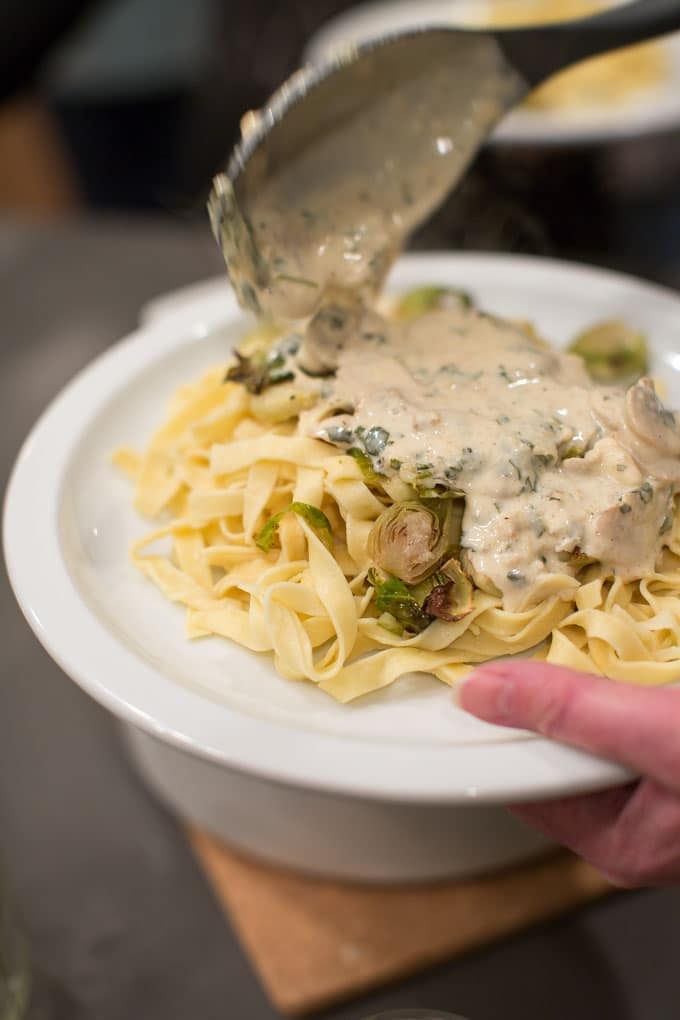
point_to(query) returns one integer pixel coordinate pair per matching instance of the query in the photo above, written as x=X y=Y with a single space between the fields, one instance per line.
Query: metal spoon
x=346 y=159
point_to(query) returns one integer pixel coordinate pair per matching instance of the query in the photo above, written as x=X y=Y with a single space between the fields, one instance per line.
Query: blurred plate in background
x=649 y=105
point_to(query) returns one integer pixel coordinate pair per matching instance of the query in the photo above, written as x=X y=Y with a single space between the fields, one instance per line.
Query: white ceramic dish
x=655 y=111
x=278 y=767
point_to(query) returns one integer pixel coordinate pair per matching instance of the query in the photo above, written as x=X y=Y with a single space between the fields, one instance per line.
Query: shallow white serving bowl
x=654 y=110
x=401 y=785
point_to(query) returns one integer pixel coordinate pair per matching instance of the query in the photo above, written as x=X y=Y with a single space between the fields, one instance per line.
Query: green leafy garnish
x=394 y=598
x=311 y=514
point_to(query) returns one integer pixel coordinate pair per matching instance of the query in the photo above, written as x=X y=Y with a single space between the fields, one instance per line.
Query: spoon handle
x=540 y=52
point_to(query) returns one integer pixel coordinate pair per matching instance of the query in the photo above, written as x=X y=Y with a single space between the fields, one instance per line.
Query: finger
x=582 y=823
x=631 y=835
x=638 y=727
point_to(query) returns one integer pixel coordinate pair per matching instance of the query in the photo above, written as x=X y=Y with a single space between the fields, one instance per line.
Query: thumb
x=636 y=726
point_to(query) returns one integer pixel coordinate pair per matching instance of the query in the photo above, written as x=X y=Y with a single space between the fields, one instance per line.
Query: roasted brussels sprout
x=398 y=605
x=445 y=595
x=613 y=352
x=427 y=299
x=409 y=540
x=452 y=597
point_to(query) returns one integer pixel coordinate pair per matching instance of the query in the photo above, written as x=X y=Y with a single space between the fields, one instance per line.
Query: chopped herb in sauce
x=646 y=492
x=667 y=525
x=375 y=440
x=340 y=434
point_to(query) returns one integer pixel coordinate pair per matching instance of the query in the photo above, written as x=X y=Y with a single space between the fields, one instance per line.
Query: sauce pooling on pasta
x=555 y=471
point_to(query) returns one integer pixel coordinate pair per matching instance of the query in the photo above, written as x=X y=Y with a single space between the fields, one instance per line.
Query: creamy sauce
x=334 y=213
x=555 y=471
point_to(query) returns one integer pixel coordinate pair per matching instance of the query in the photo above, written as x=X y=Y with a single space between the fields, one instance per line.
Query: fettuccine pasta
x=263 y=536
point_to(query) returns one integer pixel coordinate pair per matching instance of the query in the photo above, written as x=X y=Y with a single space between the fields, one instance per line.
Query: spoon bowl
x=348 y=158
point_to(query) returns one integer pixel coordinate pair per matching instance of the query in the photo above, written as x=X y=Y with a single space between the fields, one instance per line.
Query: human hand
x=631 y=834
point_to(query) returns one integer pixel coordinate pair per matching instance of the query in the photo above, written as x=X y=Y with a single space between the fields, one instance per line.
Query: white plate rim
x=519 y=770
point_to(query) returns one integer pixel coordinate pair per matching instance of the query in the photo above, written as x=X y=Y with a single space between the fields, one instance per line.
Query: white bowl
x=401 y=785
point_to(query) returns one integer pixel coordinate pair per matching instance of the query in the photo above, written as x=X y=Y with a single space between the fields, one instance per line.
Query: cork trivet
x=315 y=943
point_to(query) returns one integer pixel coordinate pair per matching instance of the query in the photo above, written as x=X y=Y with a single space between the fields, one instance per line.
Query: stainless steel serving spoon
x=397 y=121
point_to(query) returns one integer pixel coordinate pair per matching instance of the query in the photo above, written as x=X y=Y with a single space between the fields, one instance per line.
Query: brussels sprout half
x=613 y=353
x=409 y=540
x=428 y=299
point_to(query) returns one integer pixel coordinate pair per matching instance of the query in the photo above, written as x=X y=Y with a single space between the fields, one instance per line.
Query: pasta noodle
x=215 y=474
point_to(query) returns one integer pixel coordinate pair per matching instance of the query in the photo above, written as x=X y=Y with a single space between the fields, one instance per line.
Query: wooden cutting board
x=315 y=943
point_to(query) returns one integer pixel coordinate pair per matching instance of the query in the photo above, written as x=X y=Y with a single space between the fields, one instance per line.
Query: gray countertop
x=120 y=920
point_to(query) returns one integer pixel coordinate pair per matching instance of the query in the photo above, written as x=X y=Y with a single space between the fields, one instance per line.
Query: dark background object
x=30 y=30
